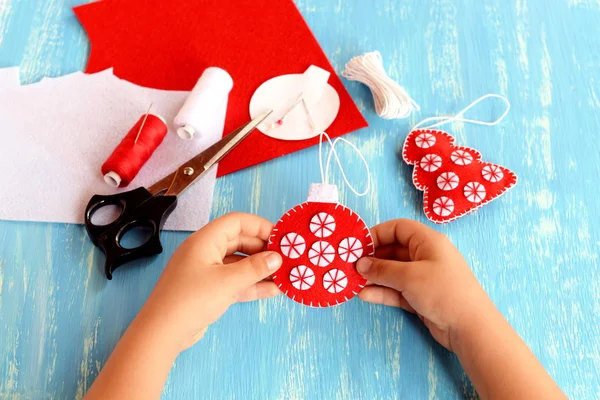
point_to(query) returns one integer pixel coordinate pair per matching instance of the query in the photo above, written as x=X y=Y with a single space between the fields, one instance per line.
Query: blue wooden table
x=535 y=250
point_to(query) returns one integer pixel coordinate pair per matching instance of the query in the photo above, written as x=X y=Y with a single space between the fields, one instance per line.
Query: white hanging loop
x=459 y=117
x=333 y=152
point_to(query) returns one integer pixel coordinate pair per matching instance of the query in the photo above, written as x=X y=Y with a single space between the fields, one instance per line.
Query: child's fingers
x=232 y=259
x=418 y=238
x=398 y=275
x=252 y=269
x=386 y=296
x=245 y=244
x=393 y=252
x=225 y=229
x=261 y=290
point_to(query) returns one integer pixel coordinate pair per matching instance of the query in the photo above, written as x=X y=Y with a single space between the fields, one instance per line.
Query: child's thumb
x=255 y=268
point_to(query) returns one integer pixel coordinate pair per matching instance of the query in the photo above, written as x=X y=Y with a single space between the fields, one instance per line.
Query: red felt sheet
x=167 y=44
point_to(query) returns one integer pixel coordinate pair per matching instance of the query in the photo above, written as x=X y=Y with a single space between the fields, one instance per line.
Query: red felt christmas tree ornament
x=455 y=180
x=320 y=241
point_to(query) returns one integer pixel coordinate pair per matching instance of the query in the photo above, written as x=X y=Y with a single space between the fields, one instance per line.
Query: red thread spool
x=128 y=158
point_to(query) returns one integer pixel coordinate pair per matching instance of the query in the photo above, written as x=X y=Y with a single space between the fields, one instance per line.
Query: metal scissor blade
x=187 y=173
x=234 y=138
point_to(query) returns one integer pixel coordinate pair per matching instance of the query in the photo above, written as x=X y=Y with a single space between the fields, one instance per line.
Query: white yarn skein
x=206 y=104
x=391 y=100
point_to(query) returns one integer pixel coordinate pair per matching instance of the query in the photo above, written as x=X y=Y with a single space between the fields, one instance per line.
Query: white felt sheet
x=55 y=135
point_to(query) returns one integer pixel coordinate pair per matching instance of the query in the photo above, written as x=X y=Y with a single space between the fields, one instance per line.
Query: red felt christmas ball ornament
x=320 y=241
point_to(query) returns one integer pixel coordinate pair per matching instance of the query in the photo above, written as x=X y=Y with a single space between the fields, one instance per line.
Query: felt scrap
x=57 y=133
x=320 y=244
x=167 y=45
x=454 y=179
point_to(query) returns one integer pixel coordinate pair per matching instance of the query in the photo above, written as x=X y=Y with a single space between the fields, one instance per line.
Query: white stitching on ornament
x=335 y=281
x=431 y=162
x=322 y=225
x=350 y=249
x=292 y=245
x=447 y=181
x=474 y=192
x=302 y=277
x=321 y=254
x=492 y=173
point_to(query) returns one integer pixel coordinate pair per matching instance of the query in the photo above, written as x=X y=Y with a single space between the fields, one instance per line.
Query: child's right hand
x=419 y=270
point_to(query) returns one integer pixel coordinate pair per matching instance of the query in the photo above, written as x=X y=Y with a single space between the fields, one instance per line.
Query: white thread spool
x=206 y=105
x=391 y=100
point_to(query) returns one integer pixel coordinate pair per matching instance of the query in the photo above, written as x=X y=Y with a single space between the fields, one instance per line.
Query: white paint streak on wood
x=432 y=376
x=44 y=38
x=5 y=14
x=546 y=86
x=87 y=361
x=443 y=55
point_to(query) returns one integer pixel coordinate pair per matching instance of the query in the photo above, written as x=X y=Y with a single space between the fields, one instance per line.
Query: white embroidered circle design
x=425 y=140
x=335 y=281
x=443 y=206
x=447 y=181
x=492 y=173
x=322 y=225
x=292 y=245
x=321 y=254
x=474 y=192
x=350 y=249
x=302 y=277
x=461 y=157
x=431 y=162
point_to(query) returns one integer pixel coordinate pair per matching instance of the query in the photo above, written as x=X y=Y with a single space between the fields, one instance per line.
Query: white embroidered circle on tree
x=302 y=277
x=474 y=192
x=431 y=162
x=461 y=157
x=443 y=206
x=282 y=94
x=321 y=254
x=292 y=245
x=492 y=173
x=350 y=249
x=322 y=225
x=425 y=140
x=335 y=281
x=447 y=181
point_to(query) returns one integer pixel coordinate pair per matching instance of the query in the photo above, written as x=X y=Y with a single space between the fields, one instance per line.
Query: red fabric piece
x=454 y=179
x=320 y=243
x=167 y=44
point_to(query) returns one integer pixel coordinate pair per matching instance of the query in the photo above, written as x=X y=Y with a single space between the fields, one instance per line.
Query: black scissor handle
x=139 y=208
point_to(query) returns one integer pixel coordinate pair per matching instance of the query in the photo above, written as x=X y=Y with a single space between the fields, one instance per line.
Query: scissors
x=150 y=207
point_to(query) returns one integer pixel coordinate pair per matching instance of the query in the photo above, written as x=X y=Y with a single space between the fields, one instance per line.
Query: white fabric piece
x=323 y=193
x=283 y=95
x=56 y=134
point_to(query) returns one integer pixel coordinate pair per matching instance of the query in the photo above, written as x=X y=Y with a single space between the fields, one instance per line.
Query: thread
x=128 y=158
x=205 y=107
x=333 y=152
x=391 y=100
x=442 y=120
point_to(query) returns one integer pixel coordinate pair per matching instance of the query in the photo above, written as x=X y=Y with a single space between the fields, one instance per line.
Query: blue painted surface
x=535 y=250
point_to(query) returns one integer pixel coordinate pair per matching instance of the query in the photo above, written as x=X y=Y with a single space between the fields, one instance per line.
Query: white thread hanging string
x=459 y=117
x=332 y=151
x=391 y=100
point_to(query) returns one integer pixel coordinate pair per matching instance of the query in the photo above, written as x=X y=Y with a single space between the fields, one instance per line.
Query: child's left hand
x=205 y=276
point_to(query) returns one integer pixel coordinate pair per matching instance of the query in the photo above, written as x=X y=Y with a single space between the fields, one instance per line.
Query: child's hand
x=204 y=276
x=419 y=270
